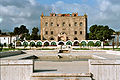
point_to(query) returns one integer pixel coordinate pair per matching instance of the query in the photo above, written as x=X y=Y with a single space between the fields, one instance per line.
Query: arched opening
x=76 y=43
x=83 y=43
x=51 y=38
x=90 y=43
x=18 y=43
x=39 y=44
x=61 y=43
x=53 y=43
x=69 y=43
x=75 y=38
x=46 y=44
x=32 y=44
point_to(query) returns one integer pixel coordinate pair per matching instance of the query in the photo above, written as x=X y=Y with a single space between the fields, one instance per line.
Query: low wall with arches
x=40 y=43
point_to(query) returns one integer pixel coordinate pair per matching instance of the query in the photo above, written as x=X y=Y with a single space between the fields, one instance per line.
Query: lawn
x=10 y=49
x=81 y=49
x=116 y=49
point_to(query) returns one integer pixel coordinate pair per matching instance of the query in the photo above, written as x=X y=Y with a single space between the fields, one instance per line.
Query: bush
x=5 y=44
x=106 y=44
x=83 y=43
x=25 y=44
x=69 y=43
x=80 y=44
x=90 y=43
x=46 y=44
x=98 y=43
x=10 y=45
x=39 y=44
x=32 y=44
x=1 y=47
x=53 y=43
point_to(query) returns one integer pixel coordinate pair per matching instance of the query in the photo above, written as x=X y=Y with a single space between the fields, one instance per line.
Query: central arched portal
x=62 y=36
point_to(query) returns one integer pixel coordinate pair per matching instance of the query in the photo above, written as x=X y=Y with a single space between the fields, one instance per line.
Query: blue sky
x=49 y=2
x=14 y=13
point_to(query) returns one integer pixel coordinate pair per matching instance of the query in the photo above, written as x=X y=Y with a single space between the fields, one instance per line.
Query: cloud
x=27 y=12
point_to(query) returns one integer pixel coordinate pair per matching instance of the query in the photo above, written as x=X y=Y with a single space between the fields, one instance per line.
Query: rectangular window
x=46 y=32
x=80 y=32
x=46 y=24
x=51 y=32
x=75 y=32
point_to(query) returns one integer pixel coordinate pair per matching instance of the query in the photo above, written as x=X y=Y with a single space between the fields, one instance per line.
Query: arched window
x=75 y=24
x=46 y=23
x=76 y=43
x=61 y=43
x=69 y=24
x=51 y=23
x=63 y=24
x=46 y=44
x=80 y=23
x=57 y=24
x=75 y=38
x=51 y=38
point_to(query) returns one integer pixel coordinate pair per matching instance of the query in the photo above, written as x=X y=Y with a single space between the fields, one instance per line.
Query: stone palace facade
x=63 y=27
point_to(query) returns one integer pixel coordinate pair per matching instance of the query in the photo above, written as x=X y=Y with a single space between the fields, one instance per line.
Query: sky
x=14 y=13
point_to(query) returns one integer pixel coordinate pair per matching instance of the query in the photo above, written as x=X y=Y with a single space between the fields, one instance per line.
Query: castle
x=63 y=27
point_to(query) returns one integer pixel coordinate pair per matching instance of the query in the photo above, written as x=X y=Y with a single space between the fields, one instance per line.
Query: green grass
x=7 y=49
x=116 y=49
x=81 y=49
x=46 y=49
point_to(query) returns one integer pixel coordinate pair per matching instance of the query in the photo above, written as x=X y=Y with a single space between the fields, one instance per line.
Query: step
x=61 y=76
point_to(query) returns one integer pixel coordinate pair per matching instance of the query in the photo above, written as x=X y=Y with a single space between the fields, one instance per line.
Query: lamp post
x=113 y=36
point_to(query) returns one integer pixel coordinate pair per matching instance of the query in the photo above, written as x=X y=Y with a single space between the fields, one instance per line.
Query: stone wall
x=16 y=69
x=105 y=69
x=69 y=27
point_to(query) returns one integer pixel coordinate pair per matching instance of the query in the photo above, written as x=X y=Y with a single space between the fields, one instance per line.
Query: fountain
x=64 y=48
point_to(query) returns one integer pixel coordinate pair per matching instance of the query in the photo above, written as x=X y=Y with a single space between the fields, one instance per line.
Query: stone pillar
x=41 y=27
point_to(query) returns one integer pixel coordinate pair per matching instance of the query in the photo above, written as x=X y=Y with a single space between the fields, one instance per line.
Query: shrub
x=83 y=43
x=5 y=44
x=90 y=43
x=25 y=44
x=32 y=44
x=98 y=43
x=80 y=44
x=1 y=47
x=39 y=44
x=10 y=45
x=69 y=43
x=53 y=43
x=46 y=44
x=106 y=43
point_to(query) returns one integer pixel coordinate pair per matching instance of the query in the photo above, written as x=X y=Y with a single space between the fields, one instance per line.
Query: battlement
x=54 y=14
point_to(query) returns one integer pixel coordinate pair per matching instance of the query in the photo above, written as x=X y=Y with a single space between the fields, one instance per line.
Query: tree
x=20 y=30
x=99 y=32
x=34 y=35
x=0 y=31
x=17 y=31
x=23 y=29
